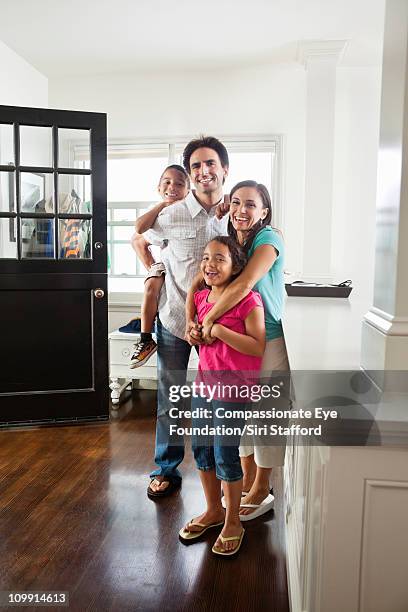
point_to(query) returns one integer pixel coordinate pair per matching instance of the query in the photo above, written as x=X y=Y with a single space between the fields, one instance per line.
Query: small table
x=121 y=348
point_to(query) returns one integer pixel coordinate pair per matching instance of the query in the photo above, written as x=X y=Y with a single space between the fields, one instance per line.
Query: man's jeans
x=172 y=360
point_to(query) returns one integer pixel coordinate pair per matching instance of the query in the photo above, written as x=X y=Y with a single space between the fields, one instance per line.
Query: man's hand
x=222 y=209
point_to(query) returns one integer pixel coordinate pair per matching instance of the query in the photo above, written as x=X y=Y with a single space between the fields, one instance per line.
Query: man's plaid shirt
x=182 y=230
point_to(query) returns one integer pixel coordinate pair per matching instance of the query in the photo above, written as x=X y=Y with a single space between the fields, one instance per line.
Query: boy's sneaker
x=143 y=352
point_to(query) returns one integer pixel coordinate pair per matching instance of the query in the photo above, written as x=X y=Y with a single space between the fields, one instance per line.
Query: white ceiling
x=79 y=37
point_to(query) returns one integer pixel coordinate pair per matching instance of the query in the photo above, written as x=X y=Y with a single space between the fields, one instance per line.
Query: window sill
x=125 y=292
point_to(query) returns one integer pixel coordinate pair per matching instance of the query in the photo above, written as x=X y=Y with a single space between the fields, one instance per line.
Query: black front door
x=53 y=279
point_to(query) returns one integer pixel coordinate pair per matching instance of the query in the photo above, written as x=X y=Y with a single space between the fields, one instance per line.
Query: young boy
x=173 y=185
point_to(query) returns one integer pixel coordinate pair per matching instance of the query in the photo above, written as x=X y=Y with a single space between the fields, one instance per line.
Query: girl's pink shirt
x=218 y=355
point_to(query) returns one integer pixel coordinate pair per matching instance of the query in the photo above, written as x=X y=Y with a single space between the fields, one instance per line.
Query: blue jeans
x=219 y=452
x=172 y=360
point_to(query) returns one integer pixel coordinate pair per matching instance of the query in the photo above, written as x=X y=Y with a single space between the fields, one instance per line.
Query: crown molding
x=309 y=50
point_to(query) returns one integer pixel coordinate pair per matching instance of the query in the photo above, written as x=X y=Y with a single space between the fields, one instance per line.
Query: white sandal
x=223 y=498
x=262 y=508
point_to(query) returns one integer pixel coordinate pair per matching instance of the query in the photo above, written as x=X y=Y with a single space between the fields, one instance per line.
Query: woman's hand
x=206 y=330
x=214 y=331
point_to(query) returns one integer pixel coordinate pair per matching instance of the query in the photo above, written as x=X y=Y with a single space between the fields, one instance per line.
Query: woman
x=250 y=225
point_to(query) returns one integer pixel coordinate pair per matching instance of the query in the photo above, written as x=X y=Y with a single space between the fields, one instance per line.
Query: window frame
x=173 y=147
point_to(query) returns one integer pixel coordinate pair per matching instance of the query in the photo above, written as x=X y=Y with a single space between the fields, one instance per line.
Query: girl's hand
x=193 y=333
x=189 y=327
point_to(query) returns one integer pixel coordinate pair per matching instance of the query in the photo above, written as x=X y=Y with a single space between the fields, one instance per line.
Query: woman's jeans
x=218 y=452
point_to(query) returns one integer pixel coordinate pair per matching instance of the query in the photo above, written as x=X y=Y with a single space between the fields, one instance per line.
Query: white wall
x=20 y=83
x=260 y=100
x=355 y=176
x=264 y=99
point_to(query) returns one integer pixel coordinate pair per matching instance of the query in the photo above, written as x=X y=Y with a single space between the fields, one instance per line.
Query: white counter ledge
x=324 y=333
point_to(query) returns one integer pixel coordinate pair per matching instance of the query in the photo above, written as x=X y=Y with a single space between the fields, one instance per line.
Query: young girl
x=250 y=225
x=236 y=353
x=173 y=186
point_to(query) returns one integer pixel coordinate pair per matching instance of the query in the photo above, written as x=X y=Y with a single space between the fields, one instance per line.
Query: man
x=184 y=229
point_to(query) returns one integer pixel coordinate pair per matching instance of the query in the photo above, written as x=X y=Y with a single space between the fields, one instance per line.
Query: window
x=133 y=175
x=132 y=188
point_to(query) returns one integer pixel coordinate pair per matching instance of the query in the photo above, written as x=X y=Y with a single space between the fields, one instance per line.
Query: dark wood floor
x=74 y=516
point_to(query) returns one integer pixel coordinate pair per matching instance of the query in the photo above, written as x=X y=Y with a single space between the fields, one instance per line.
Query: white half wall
x=20 y=83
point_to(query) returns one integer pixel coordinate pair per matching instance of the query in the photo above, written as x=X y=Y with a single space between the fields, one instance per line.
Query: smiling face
x=246 y=209
x=206 y=171
x=216 y=264
x=173 y=185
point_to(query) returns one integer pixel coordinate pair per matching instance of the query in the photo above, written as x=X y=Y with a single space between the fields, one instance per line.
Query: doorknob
x=99 y=293
x=98 y=245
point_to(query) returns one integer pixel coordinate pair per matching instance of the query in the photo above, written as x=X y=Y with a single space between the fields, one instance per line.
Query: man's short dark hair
x=209 y=142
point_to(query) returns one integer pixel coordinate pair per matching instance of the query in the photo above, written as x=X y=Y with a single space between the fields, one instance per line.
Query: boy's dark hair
x=266 y=201
x=238 y=256
x=179 y=169
x=209 y=142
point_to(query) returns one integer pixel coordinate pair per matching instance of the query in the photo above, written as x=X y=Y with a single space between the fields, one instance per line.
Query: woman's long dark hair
x=266 y=203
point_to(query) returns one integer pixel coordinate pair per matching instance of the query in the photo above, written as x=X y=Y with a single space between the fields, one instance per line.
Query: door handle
x=99 y=293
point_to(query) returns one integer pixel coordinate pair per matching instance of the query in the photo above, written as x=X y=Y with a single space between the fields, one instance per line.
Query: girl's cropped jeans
x=218 y=452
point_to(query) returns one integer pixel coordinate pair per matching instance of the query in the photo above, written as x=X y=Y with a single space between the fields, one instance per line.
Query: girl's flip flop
x=193 y=535
x=229 y=553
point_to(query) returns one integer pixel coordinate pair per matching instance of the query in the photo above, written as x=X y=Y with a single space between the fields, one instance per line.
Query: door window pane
x=8 y=242
x=7 y=192
x=37 y=238
x=73 y=148
x=74 y=239
x=74 y=193
x=6 y=145
x=36 y=192
x=36 y=146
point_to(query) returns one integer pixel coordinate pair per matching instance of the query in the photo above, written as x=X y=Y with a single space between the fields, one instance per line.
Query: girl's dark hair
x=179 y=169
x=207 y=142
x=266 y=203
x=238 y=257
